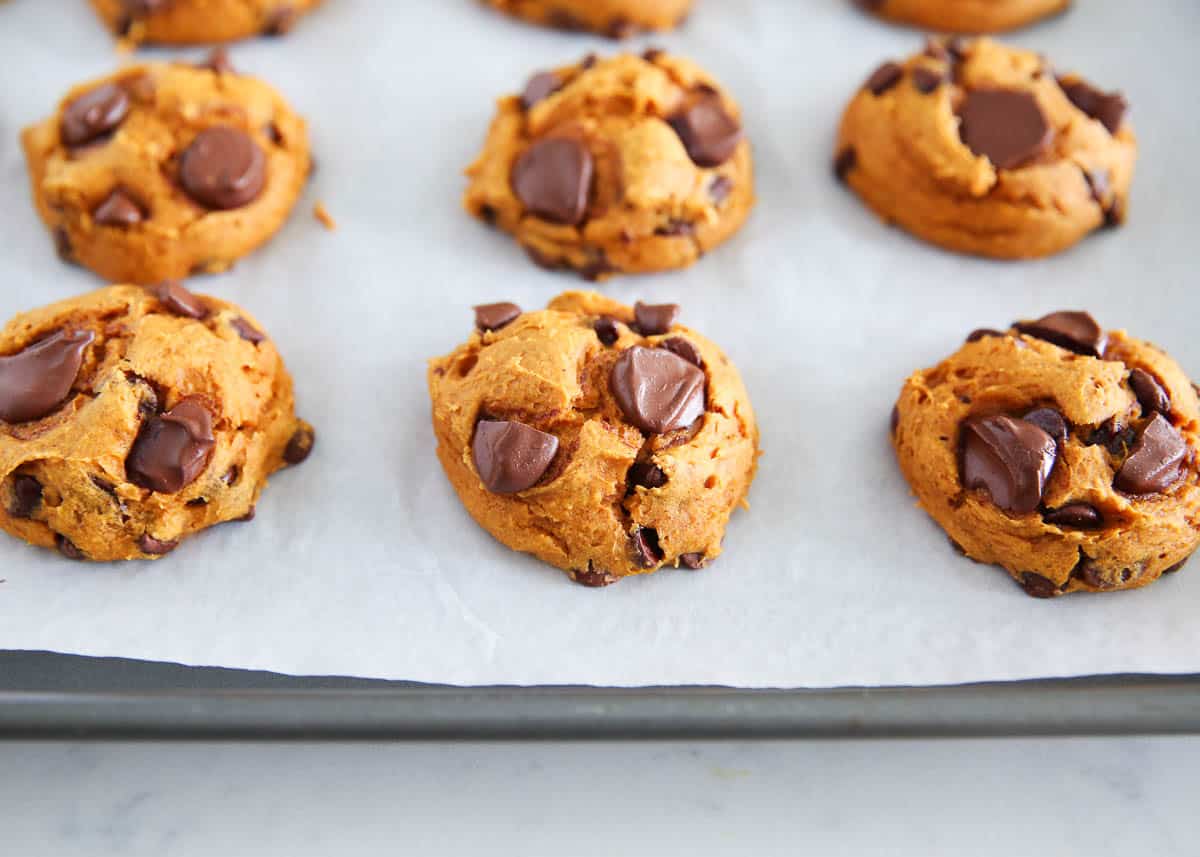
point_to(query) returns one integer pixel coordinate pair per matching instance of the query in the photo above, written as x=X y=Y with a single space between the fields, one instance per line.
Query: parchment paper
x=362 y=562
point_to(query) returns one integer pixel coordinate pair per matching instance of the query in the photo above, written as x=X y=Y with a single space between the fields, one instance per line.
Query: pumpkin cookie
x=615 y=18
x=191 y=22
x=980 y=148
x=631 y=164
x=163 y=170
x=1063 y=452
x=965 y=16
x=132 y=418
x=604 y=440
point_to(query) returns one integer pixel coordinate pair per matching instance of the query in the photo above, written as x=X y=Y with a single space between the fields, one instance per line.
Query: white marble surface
x=1092 y=797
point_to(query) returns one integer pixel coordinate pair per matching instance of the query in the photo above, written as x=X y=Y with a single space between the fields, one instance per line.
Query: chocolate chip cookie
x=190 y=22
x=981 y=148
x=162 y=170
x=615 y=18
x=630 y=164
x=604 y=440
x=131 y=418
x=965 y=16
x=1059 y=450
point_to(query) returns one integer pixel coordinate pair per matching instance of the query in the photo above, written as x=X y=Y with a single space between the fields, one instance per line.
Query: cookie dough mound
x=162 y=170
x=965 y=16
x=615 y=18
x=191 y=22
x=1060 y=451
x=631 y=164
x=132 y=418
x=979 y=148
x=602 y=440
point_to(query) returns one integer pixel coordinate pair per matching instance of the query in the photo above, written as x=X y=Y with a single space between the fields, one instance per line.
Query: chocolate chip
x=646 y=549
x=646 y=475
x=884 y=78
x=247 y=331
x=1037 y=586
x=223 y=168
x=935 y=49
x=1010 y=459
x=541 y=86
x=587 y=62
x=620 y=28
x=598 y=267
x=845 y=161
x=926 y=80
x=694 y=561
x=178 y=300
x=676 y=228
x=719 y=189
x=36 y=380
x=984 y=333
x=1100 y=188
x=62 y=245
x=685 y=349
x=553 y=178
x=281 y=22
x=894 y=420
x=1005 y=126
x=27 y=496
x=593 y=579
x=1177 y=566
x=495 y=316
x=155 y=547
x=1117 y=438
x=95 y=113
x=708 y=132
x=67 y=548
x=1150 y=394
x=652 y=54
x=218 y=61
x=249 y=516
x=1091 y=574
x=1074 y=331
x=300 y=445
x=1107 y=108
x=119 y=208
x=1156 y=461
x=656 y=390
x=1080 y=515
x=173 y=449
x=653 y=319
x=1051 y=422
x=511 y=456
x=607 y=330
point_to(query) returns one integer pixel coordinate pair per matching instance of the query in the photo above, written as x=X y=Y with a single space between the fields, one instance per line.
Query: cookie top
x=629 y=164
x=981 y=148
x=964 y=16
x=615 y=18
x=161 y=170
x=131 y=418
x=188 y=22
x=604 y=440
x=1064 y=452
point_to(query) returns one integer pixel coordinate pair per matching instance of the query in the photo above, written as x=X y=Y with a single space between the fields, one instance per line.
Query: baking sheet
x=361 y=562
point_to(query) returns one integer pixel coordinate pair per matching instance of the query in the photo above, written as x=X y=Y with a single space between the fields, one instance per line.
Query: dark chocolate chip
x=1100 y=187
x=511 y=456
x=1156 y=461
x=62 y=245
x=97 y=112
x=300 y=445
x=1107 y=108
x=607 y=330
x=173 y=449
x=1006 y=126
x=1010 y=459
x=27 y=496
x=676 y=228
x=155 y=547
x=281 y=22
x=587 y=62
x=656 y=390
x=984 y=333
x=593 y=579
x=685 y=349
x=541 y=86
x=36 y=380
x=936 y=49
x=845 y=161
x=654 y=319
x=1090 y=573
x=620 y=28
x=1037 y=586
x=646 y=549
x=1080 y=515
x=1177 y=566
x=1150 y=394
x=719 y=189
x=652 y=54
x=694 y=561
x=1050 y=421
x=884 y=78
x=894 y=420
x=1114 y=436
x=218 y=61
x=247 y=331
x=178 y=300
x=598 y=267
x=249 y=516
x=926 y=80
x=231 y=476
x=646 y=475
x=119 y=208
x=553 y=179
x=496 y=316
x=67 y=548
x=1074 y=331
x=223 y=168
x=708 y=132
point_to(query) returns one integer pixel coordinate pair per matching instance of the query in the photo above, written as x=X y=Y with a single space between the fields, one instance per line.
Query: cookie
x=615 y=18
x=965 y=16
x=131 y=418
x=980 y=148
x=1063 y=452
x=631 y=164
x=163 y=170
x=192 y=22
x=604 y=440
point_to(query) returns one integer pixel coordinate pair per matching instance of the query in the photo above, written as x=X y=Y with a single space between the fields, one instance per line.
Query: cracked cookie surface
x=604 y=440
x=189 y=22
x=1060 y=451
x=630 y=164
x=132 y=418
x=965 y=16
x=163 y=170
x=979 y=148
